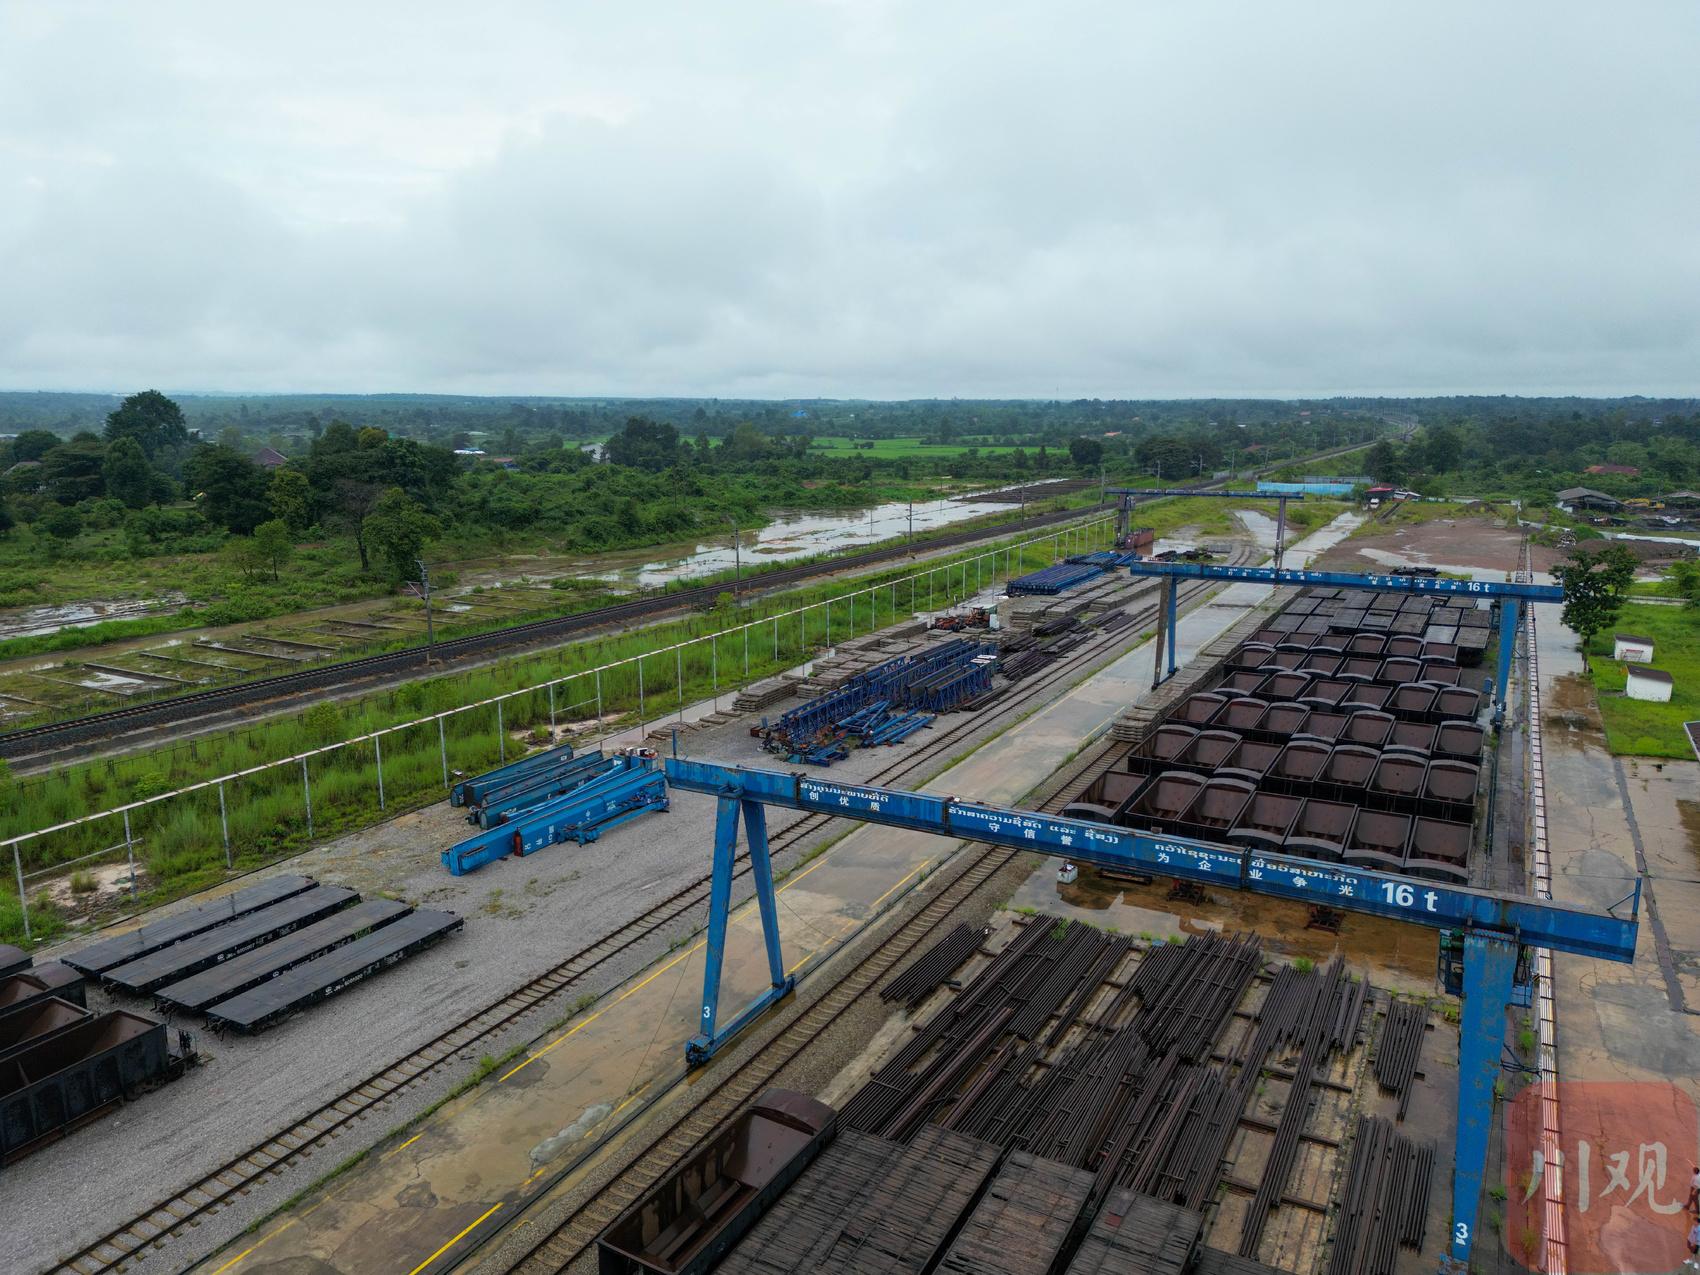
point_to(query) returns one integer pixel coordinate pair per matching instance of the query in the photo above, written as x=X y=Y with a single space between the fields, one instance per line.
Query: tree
x=397 y=529
x=1443 y=449
x=1383 y=462
x=7 y=522
x=74 y=472
x=63 y=524
x=645 y=444
x=128 y=475
x=33 y=444
x=1594 y=586
x=273 y=545
x=229 y=487
x=153 y=420
x=242 y=553
x=1086 y=453
x=290 y=499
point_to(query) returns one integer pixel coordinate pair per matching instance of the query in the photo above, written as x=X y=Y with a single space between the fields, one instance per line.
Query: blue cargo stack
x=1105 y=559
x=500 y=803
x=470 y=792
x=620 y=788
x=884 y=705
x=1053 y=580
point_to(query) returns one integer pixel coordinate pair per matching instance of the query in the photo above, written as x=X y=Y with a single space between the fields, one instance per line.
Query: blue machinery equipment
x=625 y=787
x=1509 y=596
x=1493 y=924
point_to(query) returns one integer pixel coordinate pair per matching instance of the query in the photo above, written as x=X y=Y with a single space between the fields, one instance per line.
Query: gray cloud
x=850 y=198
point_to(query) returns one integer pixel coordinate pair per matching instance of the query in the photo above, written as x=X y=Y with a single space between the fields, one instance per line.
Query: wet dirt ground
x=1448 y=544
x=487 y=1154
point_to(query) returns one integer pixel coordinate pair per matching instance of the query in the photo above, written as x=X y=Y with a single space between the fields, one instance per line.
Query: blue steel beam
x=1352 y=580
x=1494 y=924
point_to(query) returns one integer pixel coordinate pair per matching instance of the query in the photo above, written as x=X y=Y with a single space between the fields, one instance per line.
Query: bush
x=82 y=882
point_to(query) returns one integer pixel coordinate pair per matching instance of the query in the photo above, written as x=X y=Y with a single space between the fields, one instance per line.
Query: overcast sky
x=851 y=199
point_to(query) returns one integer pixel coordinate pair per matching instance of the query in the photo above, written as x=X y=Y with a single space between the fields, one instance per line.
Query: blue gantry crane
x=1127 y=497
x=1508 y=594
x=1494 y=925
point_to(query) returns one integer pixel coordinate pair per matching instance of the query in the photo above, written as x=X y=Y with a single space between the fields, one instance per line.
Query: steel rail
x=132 y=1240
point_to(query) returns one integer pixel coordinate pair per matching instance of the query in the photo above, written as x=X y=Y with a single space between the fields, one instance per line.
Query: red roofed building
x=1625 y=471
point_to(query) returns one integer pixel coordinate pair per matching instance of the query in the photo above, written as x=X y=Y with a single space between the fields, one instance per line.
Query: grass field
x=1635 y=726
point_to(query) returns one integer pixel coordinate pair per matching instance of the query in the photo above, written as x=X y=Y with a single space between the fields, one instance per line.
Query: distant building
x=269 y=458
x=471 y=453
x=1683 y=499
x=1649 y=684
x=1635 y=650
x=1622 y=471
x=1573 y=498
x=504 y=462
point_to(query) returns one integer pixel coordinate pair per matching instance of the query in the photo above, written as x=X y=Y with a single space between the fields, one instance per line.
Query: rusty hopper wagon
x=689 y=1220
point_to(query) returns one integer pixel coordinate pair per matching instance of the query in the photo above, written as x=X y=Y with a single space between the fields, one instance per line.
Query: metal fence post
x=378 y=752
x=640 y=698
x=23 y=903
x=130 y=853
x=224 y=825
x=747 y=649
x=714 y=668
x=551 y=712
x=679 y=677
x=599 y=705
x=501 y=734
x=307 y=792
x=829 y=624
x=443 y=748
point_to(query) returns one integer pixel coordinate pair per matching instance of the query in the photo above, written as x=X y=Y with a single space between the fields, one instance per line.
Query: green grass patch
x=898 y=448
x=1637 y=727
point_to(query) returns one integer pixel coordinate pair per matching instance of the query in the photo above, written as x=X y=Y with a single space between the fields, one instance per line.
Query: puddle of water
x=109 y=682
x=40 y=621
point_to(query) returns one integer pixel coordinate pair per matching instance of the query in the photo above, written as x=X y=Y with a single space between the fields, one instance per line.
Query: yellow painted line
x=894 y=889
x=404 y=1146
x=234 y=1260
x=266 y=1239
x=580 y=1026
x=457 y=1239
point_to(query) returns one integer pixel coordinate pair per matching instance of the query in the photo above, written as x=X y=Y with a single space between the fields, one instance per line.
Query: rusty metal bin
x=1282 y=721
x=1404 y=644
x=47 y=1017
x=1168 y=742
x=1369 y=728
x=1251 y=760
x=1196 y=710
x=1439 y=850
x=58 y=1081
x=1348 y=772
x=1452 y=784
x=1282 y=686
x=40 y=982
x=1326 y=724
x=1397 y=783
x=1108 y=793
x=1413 y=702
x=1285 y=659
x=1243 y=714
x=1265 y=822
x=1250 y=655
x=1366 y=644
x=1400 y=669
x=1366 y=666
x=1218 y=806
x=689 y=1219
x=1378 y=841
x=1413 y=736
x=1241 y=683
x=1321 y=829
x=1455 y=703
x=1164 y=801
x=1438 y=674
x=1297 y=769
x=1440 y=652
x=1210 y=748
x=1459 y=739
x=1323 y=665
x=1367 y=695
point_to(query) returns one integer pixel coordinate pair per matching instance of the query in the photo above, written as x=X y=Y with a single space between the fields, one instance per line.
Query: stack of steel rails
x=933 y=967
x=1386 y=1200
x=1401 y=1046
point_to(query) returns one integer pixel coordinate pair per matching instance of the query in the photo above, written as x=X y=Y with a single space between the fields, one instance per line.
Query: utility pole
x=425 y=592
x=911 y=520
x=737 y=557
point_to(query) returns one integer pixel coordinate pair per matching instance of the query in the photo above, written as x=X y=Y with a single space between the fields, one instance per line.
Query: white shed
x=1635 y=650
x=1649 y=683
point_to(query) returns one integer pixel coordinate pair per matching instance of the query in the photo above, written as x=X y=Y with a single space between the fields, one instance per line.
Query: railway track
x=569 y=1240
x=131 y=1241
x=36 y=741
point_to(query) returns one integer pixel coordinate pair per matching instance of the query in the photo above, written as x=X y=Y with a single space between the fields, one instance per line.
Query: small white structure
x=1650 y=684
x=1632 y=649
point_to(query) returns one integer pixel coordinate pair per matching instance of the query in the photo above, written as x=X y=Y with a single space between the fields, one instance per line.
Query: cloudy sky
x=855 y=198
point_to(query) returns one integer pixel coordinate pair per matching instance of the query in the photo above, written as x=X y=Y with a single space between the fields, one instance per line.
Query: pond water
x=20 y=622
